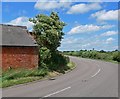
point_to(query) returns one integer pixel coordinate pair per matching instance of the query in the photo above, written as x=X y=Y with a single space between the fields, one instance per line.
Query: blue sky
x=89 y=24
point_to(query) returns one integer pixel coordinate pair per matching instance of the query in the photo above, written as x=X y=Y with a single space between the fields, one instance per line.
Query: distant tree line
x=94 y=54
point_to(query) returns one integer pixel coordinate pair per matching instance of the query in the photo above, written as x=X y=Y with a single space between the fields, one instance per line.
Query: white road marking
x=57 y=92
x=96 y=73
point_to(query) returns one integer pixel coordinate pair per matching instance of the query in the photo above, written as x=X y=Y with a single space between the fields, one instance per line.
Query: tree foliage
x=48 y=32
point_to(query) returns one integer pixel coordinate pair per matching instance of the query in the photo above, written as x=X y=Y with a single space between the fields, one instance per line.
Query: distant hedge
x=93 y=54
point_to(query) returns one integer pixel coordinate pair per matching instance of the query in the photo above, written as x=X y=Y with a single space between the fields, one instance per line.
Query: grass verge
x=112 y=61
x=22 y=76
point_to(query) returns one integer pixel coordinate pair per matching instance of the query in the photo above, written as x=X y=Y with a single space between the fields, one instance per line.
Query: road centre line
x=57 y=92
x=96 y=72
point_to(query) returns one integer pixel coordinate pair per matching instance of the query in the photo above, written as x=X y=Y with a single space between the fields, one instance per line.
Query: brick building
x=19 y=49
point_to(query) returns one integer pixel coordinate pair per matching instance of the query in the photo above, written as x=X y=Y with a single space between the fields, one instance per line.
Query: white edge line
x=57 y=92
x=96 y=73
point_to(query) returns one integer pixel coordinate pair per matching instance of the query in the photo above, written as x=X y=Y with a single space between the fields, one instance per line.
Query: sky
x=89 y=24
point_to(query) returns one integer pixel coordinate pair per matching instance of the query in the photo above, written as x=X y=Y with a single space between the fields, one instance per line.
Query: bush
x=116 y=56
x=93 y=54
x=100 y=56
x=103 y=55
x=85 y=55
x=52 y=60
x=58 y=61
x=44 y=55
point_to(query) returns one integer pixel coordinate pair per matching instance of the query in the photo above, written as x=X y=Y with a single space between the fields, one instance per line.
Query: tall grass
x=19 y=73
x=19 y=76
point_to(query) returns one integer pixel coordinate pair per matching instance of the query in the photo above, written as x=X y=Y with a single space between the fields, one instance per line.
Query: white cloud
x=109 y=33
x=106 y=15
x=109 y=40
x=70 y=40
x=86 y=45
x=83 y=8
x=88 y=28
x=52 y=4
x=22 y=21
x=73 y=43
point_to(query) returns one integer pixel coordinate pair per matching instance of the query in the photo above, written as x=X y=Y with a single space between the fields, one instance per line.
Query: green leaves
x=93 y=54
x=48 y=30
x=48 y=33
x=116 y=56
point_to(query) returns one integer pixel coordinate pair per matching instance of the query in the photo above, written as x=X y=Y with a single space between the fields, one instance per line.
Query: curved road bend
x=91 y=78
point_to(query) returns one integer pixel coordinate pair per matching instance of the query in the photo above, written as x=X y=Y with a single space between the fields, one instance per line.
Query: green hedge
x=93 y=54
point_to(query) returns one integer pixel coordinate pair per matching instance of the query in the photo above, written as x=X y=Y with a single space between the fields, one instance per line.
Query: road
x=91 y=78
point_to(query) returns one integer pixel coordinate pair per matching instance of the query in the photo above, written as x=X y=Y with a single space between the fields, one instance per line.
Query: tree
x=48 y=32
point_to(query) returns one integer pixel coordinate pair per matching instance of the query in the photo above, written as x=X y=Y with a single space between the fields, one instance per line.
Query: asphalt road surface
x=91 y=78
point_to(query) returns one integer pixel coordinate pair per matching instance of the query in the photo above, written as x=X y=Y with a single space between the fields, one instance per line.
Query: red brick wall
x=19 y=57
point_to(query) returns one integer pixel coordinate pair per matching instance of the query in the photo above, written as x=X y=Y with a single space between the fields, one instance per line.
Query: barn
x=19 y=49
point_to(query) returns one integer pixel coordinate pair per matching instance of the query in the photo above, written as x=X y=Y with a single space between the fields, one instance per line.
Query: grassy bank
x=21 y=76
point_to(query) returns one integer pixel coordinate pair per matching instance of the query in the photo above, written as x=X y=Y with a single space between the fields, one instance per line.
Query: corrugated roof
x=16 y=36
